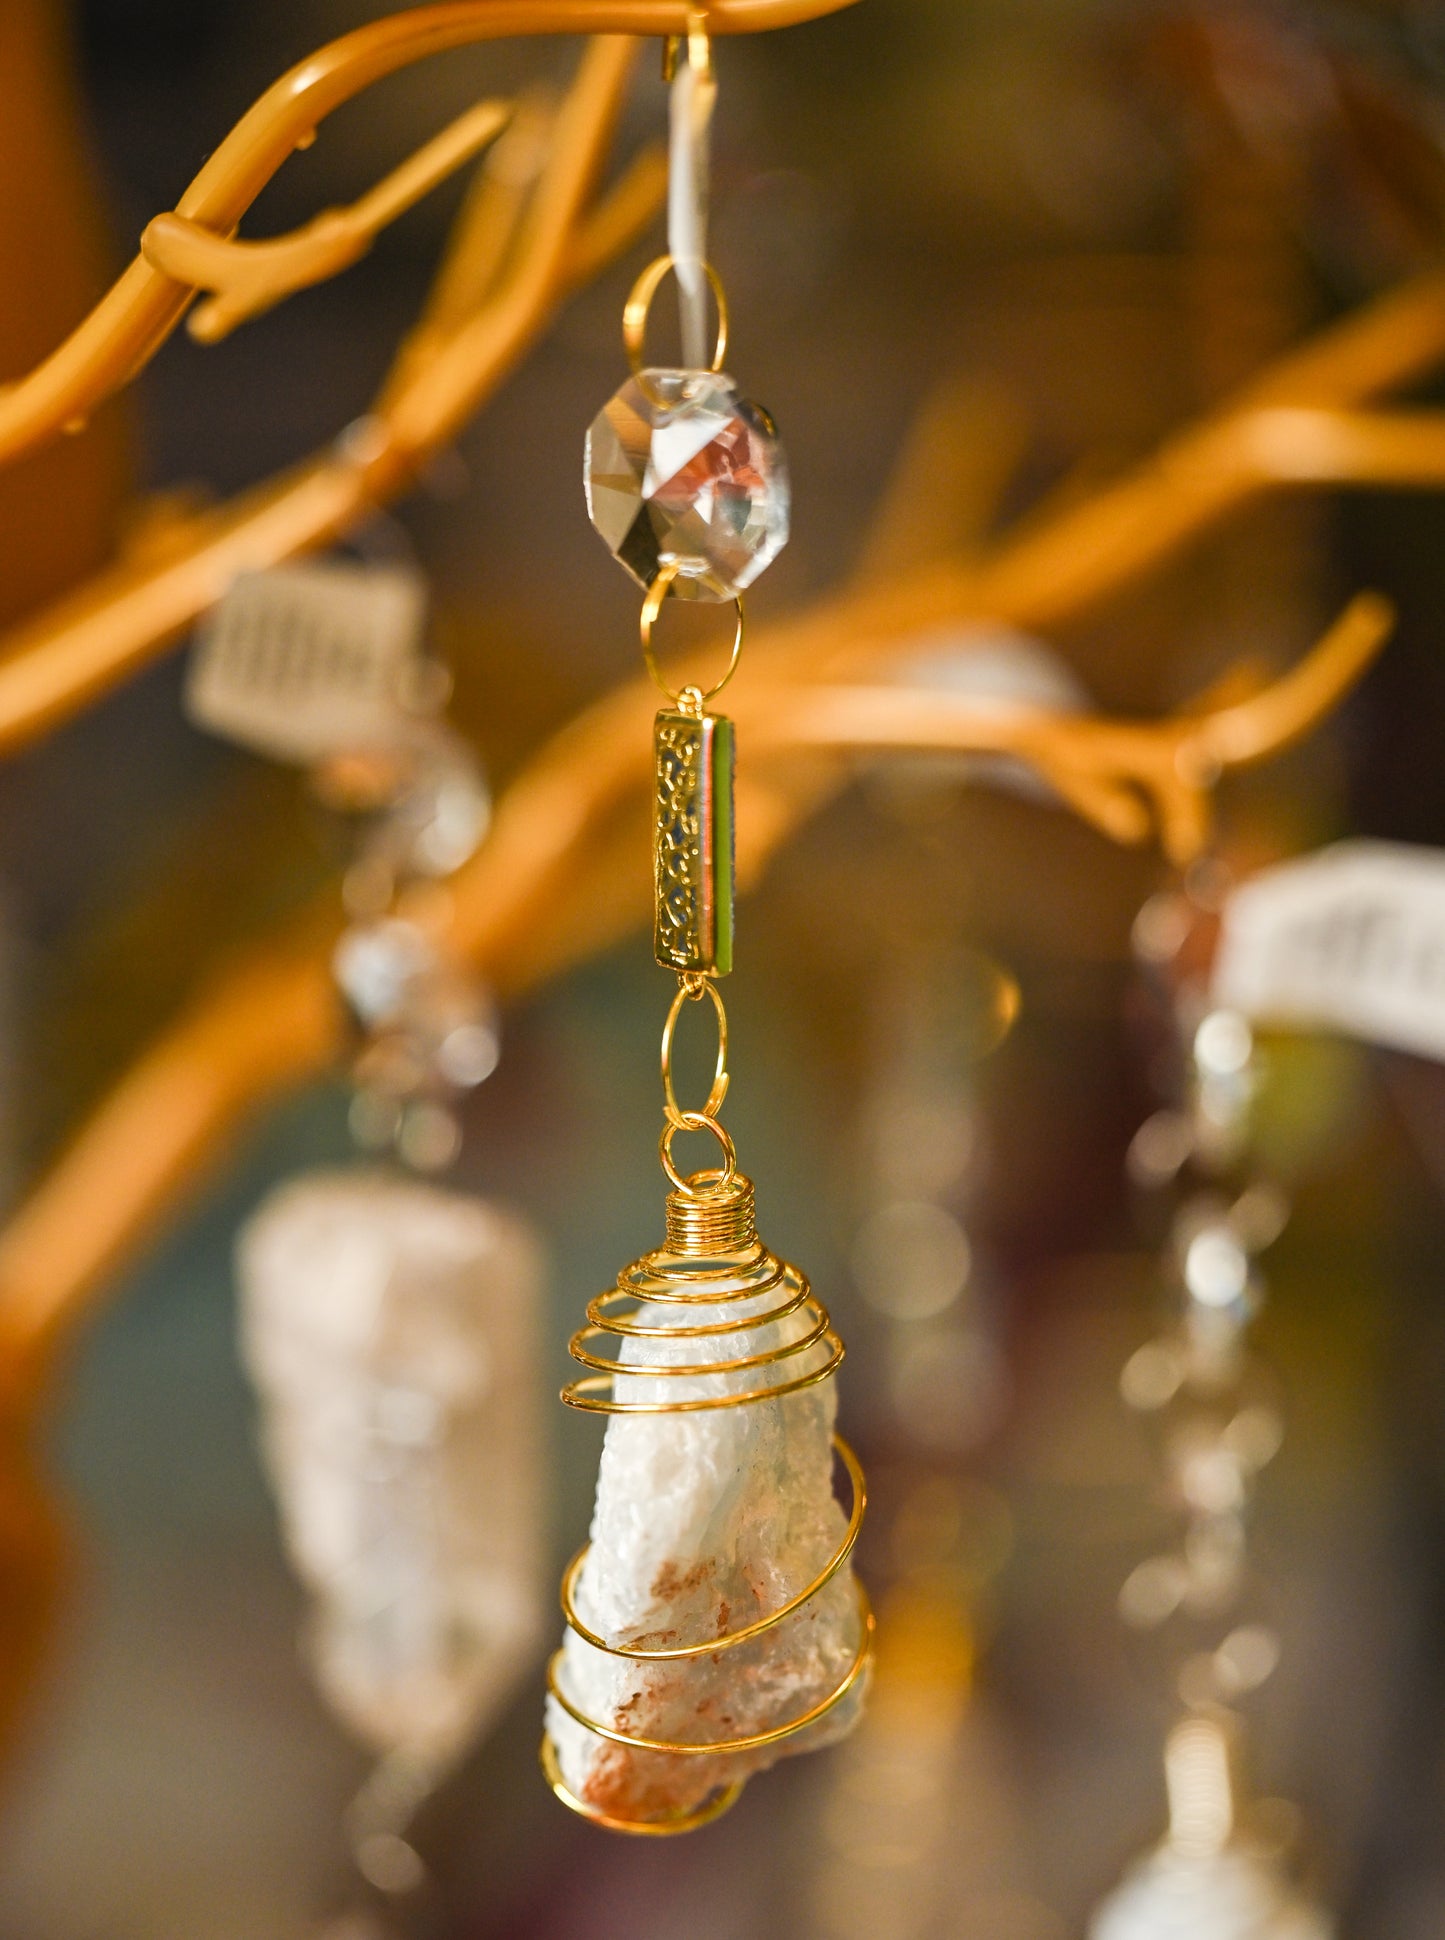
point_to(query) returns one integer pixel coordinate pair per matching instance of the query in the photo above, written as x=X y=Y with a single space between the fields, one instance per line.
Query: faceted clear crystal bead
x=431 y=1035
x=691 y=475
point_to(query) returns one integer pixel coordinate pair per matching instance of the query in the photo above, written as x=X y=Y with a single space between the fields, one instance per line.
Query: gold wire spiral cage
x=712 y=1258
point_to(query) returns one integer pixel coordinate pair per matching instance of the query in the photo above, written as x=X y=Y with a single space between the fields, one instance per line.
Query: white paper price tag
x=1350 y=940
x=301 y=662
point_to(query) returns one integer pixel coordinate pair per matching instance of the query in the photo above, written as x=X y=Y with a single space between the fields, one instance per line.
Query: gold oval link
x=696 y=1121
x=691 y=990
x=657 y=592
x=634 y=323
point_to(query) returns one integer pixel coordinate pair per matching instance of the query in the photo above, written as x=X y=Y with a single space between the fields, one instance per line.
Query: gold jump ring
x=699 y=47
x=657 y=592
x=691 y=991
x=697 y=1121
x=639 y=306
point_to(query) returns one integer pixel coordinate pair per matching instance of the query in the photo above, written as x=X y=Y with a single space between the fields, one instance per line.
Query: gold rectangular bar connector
x=693 y=843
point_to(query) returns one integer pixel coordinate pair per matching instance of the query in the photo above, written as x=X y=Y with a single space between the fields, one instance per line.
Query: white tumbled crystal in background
x=389 y=1327
x=705 y=1522
x=1206 y=1880
x=1235 y=1894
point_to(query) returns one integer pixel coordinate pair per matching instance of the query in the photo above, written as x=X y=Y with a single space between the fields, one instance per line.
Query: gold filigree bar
x=693 y=843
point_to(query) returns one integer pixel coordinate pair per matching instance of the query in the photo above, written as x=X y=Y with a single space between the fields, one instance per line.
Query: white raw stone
x=703 y=1523
x=1230 y=1895
x=389 y=1327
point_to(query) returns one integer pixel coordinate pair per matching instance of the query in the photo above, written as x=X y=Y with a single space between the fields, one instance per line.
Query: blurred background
x=1073 y=224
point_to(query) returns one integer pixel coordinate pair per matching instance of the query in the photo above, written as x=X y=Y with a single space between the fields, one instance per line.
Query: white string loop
x=694 y=93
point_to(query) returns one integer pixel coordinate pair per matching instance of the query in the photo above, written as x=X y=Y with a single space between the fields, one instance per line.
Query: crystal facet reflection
x=695 y=477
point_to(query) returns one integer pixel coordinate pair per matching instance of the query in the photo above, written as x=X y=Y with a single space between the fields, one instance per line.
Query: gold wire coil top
x=713 y=1260
x=711 y=1282
x=706 y=1223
